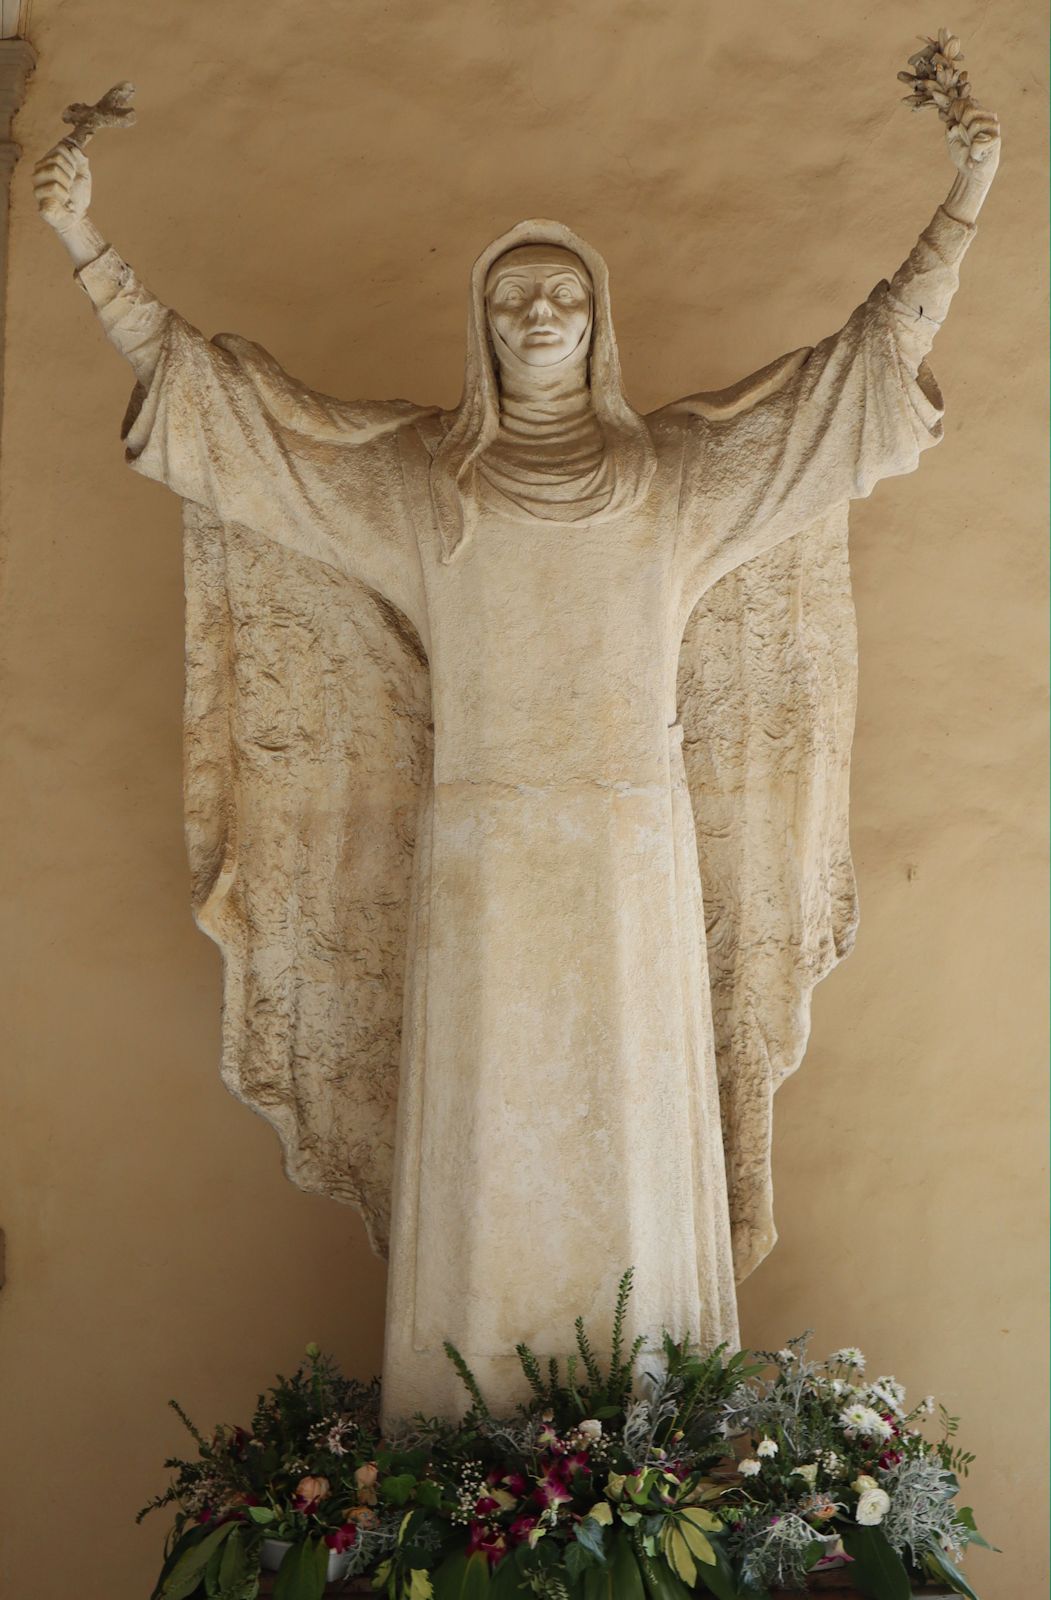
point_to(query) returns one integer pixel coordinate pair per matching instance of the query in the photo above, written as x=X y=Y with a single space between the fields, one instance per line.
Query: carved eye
x=512 y=297
x=565 y=294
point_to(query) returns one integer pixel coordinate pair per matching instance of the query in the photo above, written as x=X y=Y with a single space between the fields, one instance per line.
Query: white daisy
x=849 y=1356
x=860 y=1421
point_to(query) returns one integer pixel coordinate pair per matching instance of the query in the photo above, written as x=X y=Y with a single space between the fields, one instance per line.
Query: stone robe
x=558 y=1095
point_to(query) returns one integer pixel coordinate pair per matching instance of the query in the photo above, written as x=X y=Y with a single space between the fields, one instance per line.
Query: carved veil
x=312 y=920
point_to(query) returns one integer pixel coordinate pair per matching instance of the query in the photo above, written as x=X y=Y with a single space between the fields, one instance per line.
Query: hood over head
x=476 y=421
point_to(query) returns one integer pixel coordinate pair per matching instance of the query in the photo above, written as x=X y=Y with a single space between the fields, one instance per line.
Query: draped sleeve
x=853 y=413
x=221 y=424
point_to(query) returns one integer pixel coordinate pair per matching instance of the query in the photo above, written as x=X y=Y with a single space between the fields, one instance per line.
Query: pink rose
x=309 y=1494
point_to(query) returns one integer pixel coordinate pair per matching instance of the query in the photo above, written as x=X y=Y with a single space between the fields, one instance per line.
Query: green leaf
x=233 y=1568
x=189 y=1570
x=661 y=1582
x=577 y=1560
x=965 y=1515
x=506 y=1581
x=721 y=1581
x=703 y=1519
x=261 y=1514
x=813 y=1553
x=626 y=1579
x=944 y=1569
x=462 y=1577
x=177 y=1551
x=476 y=1578
x=211 y=1571
x=598 y=1584
x=301 y=1575
x=429 y=1494
x=448 y=1580
x=420 y=1587
x=698 y=1543
x=679 y=1555
x=590 y=1535
x=398 y=1489
x=878 y=1570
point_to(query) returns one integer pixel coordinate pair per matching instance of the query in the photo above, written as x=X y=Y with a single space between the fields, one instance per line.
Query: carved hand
x=974 y=142
x=62 y=184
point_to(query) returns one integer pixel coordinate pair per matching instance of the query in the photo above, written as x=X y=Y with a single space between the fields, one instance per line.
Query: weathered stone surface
x=509 y=941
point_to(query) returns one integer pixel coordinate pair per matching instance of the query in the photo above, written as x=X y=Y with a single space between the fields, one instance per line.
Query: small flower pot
x=273 y=1551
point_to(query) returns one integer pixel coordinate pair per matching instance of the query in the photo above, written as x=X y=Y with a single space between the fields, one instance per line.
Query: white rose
x=591 y=1429
x=863 y=1482
x=873 y=1506
x=807 y=1473
x=749 y=1468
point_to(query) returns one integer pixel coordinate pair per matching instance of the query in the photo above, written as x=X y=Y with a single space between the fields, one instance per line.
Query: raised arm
x=221 y=424
x=924 y=284
x=861 y=407
x=62 y=181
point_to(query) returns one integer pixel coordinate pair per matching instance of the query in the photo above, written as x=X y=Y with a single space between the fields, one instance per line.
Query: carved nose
x=539 y=309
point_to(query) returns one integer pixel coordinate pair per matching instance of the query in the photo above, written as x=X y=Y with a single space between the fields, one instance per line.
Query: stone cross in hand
x=112 y=111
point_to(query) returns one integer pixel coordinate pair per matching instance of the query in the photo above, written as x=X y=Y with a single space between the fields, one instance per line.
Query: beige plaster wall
x=319 y=176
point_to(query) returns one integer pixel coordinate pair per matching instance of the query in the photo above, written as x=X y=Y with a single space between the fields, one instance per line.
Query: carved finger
x=45 y=190
x=64 y=158
x=47 y=164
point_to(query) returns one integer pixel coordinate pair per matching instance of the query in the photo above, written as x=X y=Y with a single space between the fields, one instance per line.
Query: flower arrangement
x=657 y=1472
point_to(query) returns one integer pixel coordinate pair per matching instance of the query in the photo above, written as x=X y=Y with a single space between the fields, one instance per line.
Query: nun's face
x=538 y=298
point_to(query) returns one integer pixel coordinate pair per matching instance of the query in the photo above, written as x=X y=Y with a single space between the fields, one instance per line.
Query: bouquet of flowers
x=300 y=1475
x=833 y=1467
x=654 y=1473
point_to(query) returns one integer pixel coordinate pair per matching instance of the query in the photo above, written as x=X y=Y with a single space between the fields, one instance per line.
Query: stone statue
x=478 y=701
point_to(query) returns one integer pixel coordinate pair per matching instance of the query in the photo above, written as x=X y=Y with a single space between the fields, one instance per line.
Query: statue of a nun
x=517 y=748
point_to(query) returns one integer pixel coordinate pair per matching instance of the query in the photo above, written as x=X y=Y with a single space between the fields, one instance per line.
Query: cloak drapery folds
x=308 y=749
